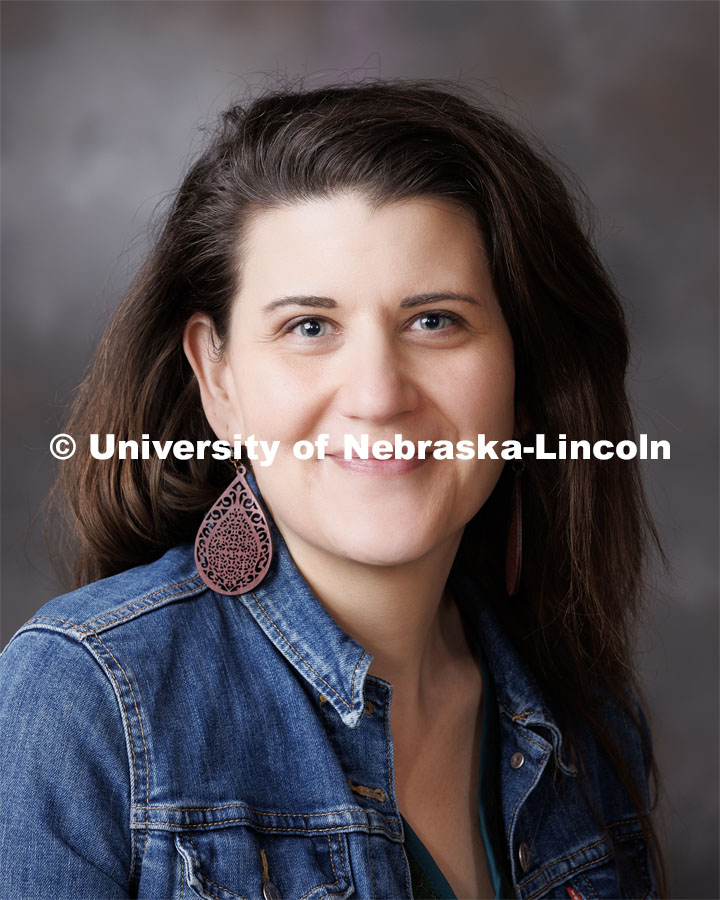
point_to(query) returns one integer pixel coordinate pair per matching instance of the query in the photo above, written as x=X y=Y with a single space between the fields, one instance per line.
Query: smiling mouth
x=374 y=466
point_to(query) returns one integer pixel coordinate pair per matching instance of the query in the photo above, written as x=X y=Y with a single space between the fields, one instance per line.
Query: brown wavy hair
x=587 y=528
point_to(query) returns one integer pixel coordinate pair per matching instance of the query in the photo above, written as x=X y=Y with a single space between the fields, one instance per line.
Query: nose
x=376 y=382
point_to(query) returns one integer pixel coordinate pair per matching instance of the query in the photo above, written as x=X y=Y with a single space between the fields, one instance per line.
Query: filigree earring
x=513 y=552
x=233 y=546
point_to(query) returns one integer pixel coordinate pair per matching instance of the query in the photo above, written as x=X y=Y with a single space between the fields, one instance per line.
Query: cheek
x=272 y=403
x=483 y=396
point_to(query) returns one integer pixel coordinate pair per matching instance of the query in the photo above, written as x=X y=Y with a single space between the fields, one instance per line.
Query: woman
x=345 y=677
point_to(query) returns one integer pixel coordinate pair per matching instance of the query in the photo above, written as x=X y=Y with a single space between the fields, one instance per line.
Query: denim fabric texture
x=160 y=740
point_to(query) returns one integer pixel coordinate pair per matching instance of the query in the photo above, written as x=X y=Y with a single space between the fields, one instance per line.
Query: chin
x=378 y=546
x=388 y=532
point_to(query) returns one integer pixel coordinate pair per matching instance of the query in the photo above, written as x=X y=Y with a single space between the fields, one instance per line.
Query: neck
x=402 y=615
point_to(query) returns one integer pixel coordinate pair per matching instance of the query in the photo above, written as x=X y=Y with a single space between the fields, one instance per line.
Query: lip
x=374 y=466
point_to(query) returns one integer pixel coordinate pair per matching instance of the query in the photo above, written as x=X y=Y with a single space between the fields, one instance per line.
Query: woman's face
x=374 y=343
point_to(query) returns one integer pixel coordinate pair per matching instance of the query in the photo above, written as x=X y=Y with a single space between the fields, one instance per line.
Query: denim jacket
x=160 y=740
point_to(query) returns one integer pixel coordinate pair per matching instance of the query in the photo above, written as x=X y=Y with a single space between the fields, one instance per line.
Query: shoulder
x=153 y=643
x=108 y=630
x=112 y=601
x=73 y=676
x=78 y=684
x=624 y=730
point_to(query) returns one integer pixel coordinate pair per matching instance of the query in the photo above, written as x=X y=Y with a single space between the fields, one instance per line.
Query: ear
x=213 y=373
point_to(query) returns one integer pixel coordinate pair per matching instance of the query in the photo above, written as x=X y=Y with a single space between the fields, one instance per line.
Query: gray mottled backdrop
x=100 y=101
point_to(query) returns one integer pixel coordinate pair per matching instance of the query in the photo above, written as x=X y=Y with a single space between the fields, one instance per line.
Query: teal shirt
x=428 y=882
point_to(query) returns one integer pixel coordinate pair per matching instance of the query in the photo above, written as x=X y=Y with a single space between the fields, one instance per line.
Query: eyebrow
x=328 y=303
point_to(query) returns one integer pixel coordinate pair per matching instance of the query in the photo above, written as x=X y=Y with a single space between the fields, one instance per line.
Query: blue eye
x=310 y=328
x=314 y=327
x=434 y=321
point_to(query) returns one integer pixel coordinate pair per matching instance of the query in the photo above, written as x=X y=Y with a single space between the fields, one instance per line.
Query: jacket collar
x=336 y=666
x=518 y=693
x=297 y=623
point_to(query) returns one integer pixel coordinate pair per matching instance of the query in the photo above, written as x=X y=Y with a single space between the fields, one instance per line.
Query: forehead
x=330 y=243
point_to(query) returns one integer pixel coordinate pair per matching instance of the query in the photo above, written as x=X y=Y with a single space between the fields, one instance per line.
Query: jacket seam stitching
x=522 y=715
x=250 y=809
x=207 y=880
x=154 y=593
x=559 y=860
x=37 y=619
x=142 y=732
x=297 y=652
x=546 y=752
x=588 y=886
x=332 y=861
x=227 y=890
x=517 y=716
x=333 y=830
x=373 y=890
x=83 y=628
x=555 y=880
x=325 y=884
x=133 y=859
x=625 y=821
x=570 y=856
x=182 y=877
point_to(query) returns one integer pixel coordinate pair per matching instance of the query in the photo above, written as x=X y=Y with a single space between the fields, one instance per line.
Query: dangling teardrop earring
x=233 y=546
x=513 y=551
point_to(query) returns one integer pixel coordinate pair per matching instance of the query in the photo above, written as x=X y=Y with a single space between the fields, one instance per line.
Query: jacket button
x=517 y=760
x=270 y=891
x=524 y=856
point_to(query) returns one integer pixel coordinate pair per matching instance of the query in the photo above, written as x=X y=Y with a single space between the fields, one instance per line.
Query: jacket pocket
x=241 y=862
x=597 y=871
x=625 y=874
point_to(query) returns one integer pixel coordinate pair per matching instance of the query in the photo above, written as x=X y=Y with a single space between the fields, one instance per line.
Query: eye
x=309 y=328
x=433 y=321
